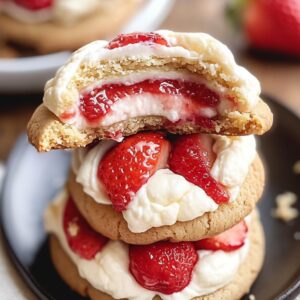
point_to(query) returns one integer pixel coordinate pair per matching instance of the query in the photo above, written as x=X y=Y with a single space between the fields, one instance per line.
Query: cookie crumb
x=297 y=235
x=296 y=167
x=284 y=209
x=252 y=297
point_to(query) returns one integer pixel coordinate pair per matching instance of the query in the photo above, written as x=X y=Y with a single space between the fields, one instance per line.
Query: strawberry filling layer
x=162 y=267
x=193 y=101
x=126 y=167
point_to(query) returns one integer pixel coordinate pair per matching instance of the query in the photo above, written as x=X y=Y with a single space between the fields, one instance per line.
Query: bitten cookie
x=46 y=131
x=105 y=220
x=234 y=290
x=62 y=26
x=181 y=82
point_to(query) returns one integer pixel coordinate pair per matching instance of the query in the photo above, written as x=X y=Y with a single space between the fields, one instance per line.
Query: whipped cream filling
x=168 y=197
x=172 y=107
x=61 y=94
x=109 y=270
x=66 y=12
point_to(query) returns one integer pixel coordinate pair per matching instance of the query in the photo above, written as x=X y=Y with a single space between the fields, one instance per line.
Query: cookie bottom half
x=239 y=286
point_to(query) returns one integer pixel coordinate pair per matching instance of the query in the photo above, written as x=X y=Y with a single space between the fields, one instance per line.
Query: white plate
x=29 y=74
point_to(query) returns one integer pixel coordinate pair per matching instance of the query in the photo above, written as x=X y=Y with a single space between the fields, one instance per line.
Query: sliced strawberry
x=192 y=157
x=82 y=239
x=34 y=4
x=229 y=240
x=126 y=167
x=135 y=38
x=163 y=267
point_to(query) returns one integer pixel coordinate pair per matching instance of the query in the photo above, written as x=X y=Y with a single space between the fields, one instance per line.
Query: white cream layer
x=60 y=96
x=168 y=197
x=66 y=12
x=109 y=270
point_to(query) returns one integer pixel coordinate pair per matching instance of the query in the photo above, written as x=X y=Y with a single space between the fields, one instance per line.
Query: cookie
x=105 y=220
x=49 y=36
x=181 y=82
x=46 y=131
x=240 y=285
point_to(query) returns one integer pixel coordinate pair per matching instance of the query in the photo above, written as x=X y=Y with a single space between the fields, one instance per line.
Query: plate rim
x=290 y=293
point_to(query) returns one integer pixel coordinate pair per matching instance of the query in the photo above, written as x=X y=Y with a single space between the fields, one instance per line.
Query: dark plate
x=33 y=179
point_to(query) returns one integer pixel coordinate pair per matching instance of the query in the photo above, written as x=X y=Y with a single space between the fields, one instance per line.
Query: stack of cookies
x=160 y=198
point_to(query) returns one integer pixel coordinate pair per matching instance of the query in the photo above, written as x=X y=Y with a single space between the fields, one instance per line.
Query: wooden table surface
x=279 y=79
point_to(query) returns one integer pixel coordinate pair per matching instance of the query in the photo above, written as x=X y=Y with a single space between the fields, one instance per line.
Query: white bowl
x=29 y=74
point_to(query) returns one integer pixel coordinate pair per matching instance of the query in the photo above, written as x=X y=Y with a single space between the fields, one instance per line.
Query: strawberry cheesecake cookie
x=220 y=267
x=153 y=186
x=181 y=82
x=56 y=25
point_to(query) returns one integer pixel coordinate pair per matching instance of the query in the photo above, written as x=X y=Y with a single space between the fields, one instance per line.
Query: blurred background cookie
x=56 y=25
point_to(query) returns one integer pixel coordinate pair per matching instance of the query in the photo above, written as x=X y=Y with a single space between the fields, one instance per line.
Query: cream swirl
x=168 y=197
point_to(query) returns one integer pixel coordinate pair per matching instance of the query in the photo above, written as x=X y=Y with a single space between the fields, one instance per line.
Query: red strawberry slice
x=82 y=239
x=126 y=167
x=34 y=4
x=163 y=267
x=135 y=38
x=229 y=240
x=192 y=157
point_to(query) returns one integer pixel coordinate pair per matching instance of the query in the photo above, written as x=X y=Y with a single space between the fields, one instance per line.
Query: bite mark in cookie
x=180 y=82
